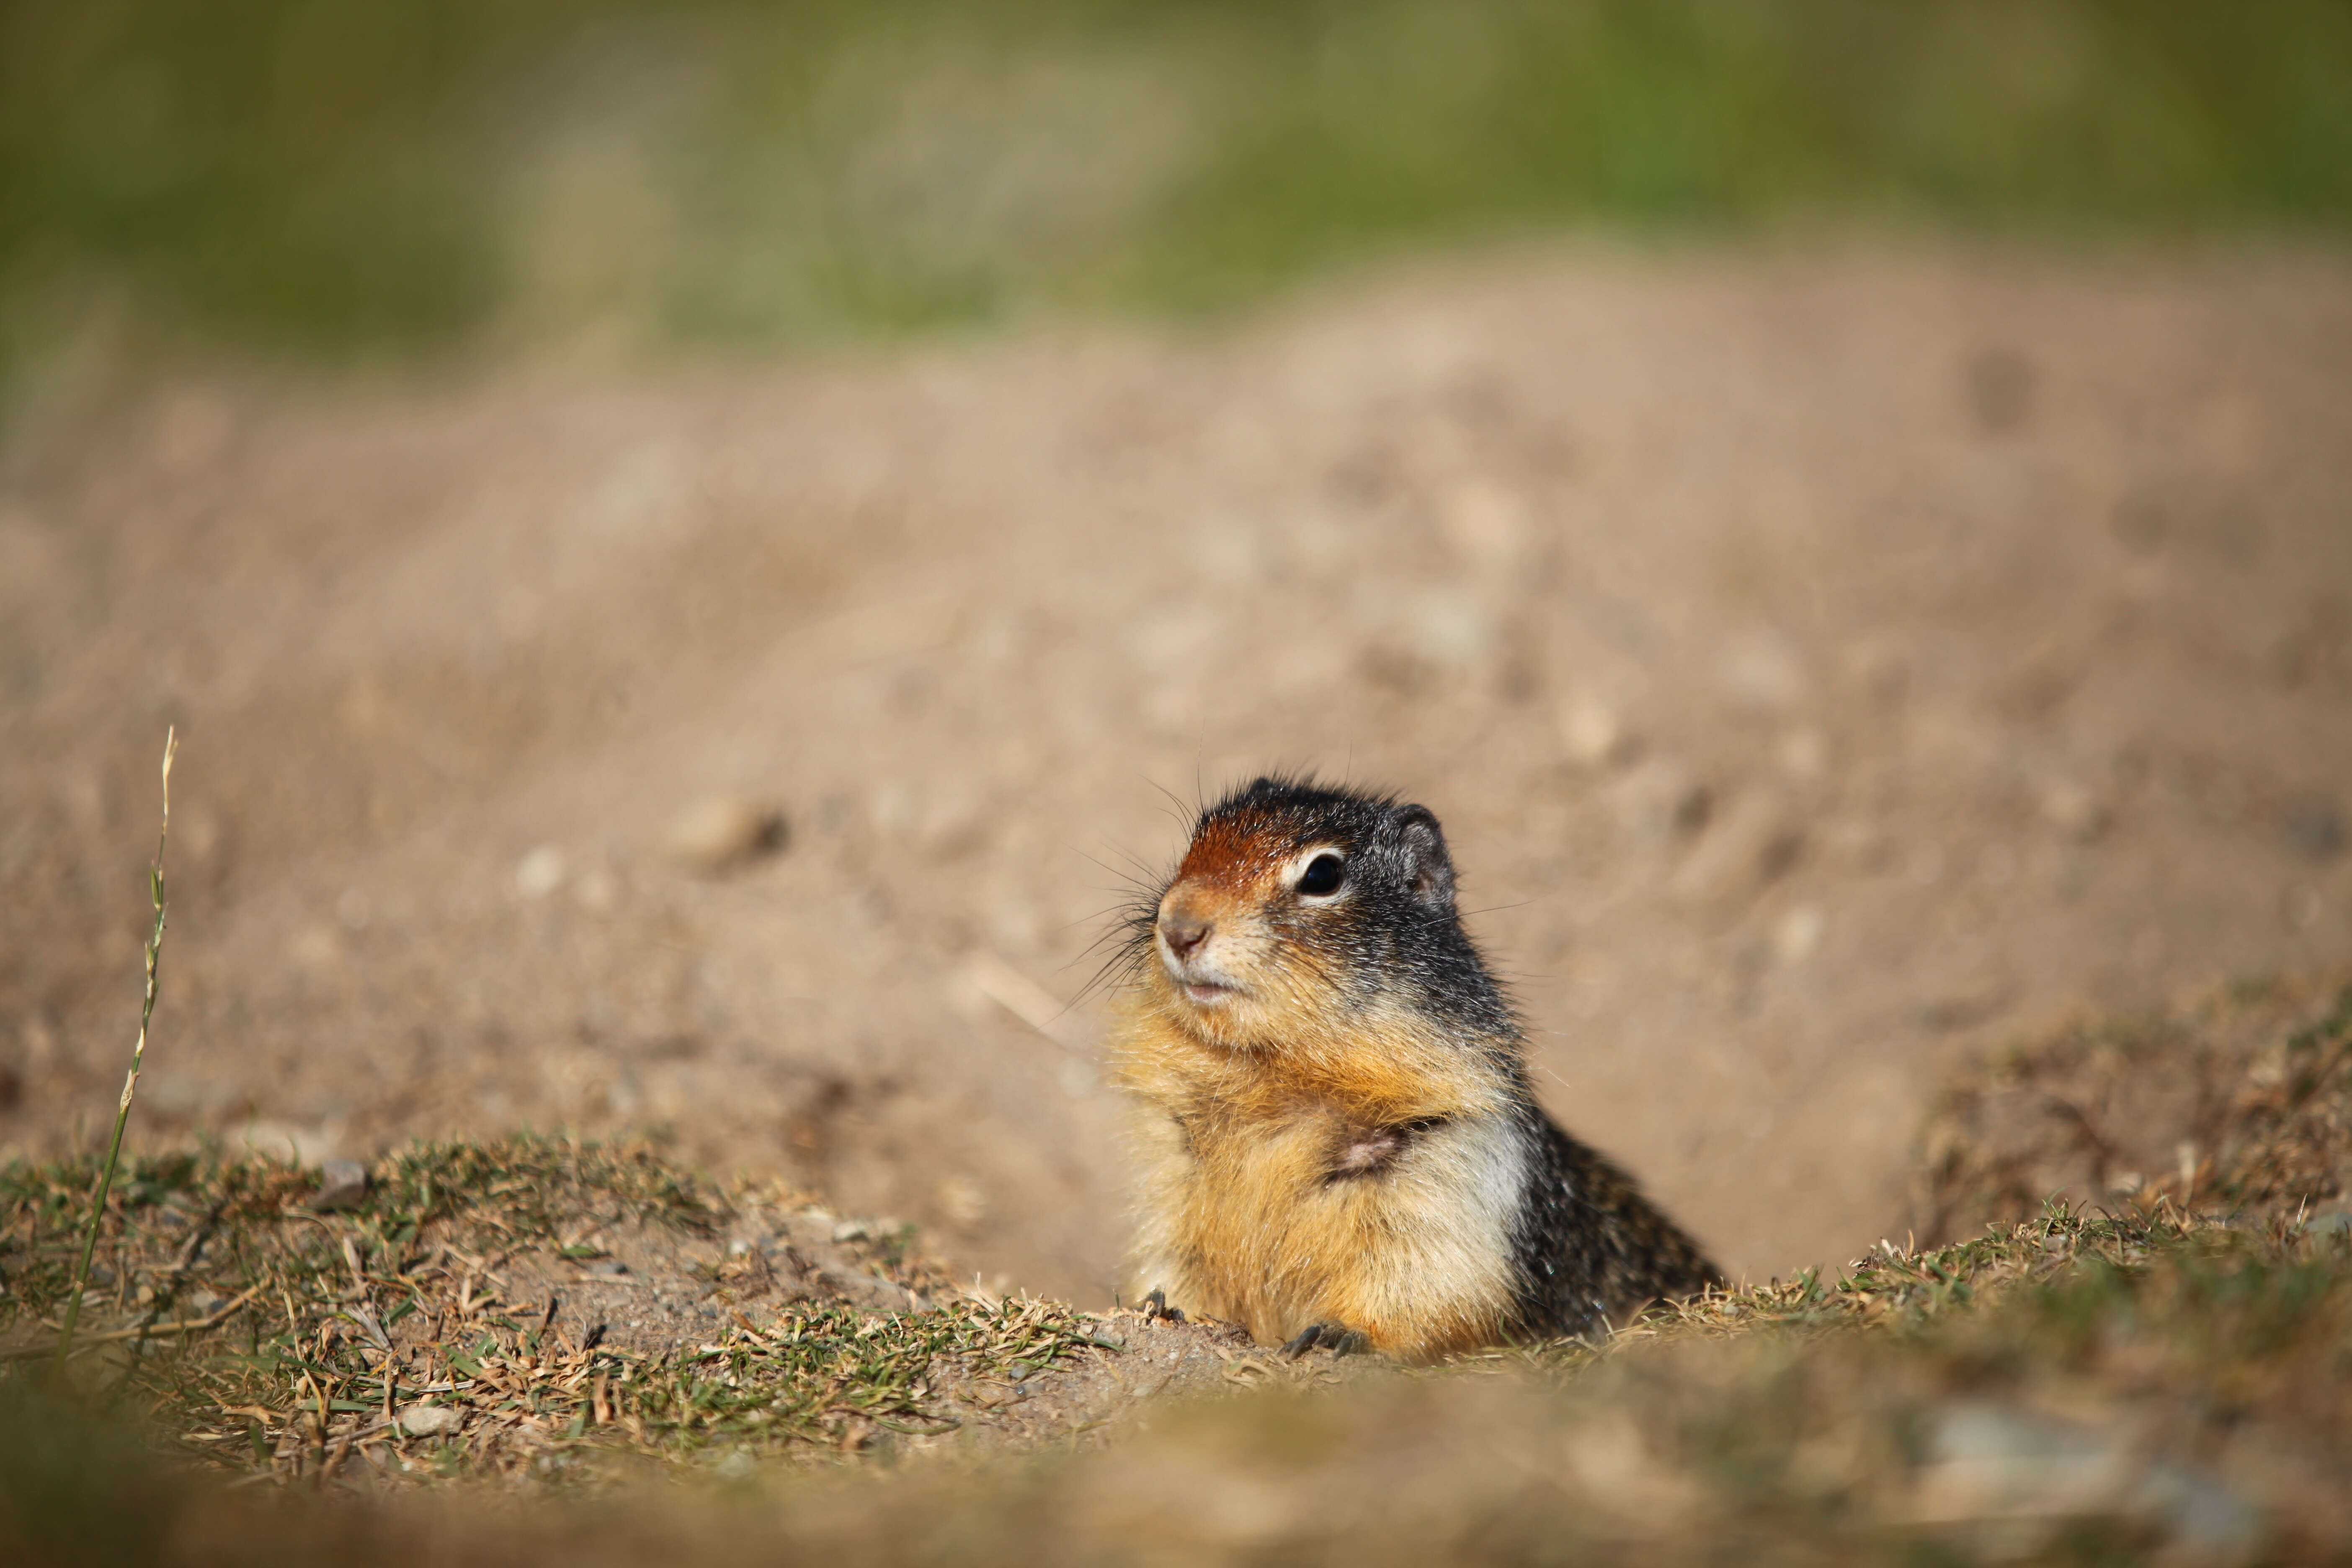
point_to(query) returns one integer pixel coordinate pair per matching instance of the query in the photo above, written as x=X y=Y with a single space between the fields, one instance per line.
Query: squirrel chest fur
x=1338 y=1141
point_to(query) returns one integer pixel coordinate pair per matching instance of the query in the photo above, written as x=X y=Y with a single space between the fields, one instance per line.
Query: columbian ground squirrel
x=1340 y=1143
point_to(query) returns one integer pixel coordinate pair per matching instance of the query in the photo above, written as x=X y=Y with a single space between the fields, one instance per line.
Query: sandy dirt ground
x=1825 y=666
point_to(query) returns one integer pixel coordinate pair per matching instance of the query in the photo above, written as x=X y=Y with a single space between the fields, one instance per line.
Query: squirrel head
x=1301 y=912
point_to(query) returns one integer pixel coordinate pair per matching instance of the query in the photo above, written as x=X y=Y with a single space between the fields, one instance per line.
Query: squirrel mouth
x=1203 y=990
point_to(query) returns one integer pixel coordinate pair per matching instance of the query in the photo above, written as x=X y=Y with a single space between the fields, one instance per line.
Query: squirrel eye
x=1323 y=875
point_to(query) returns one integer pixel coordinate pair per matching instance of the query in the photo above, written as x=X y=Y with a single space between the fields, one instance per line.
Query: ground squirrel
x=1340 y=1143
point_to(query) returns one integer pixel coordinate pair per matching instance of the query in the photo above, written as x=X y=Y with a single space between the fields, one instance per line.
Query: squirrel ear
x=1429 y=869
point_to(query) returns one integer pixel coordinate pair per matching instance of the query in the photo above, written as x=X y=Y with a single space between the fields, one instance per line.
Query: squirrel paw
x=1156 y=1306
x=1337 y=1338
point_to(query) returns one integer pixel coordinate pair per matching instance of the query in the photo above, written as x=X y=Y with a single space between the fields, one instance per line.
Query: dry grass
x=2074 y=1389
x=388 y=1341
x=2070 y=1386
x=154 y=952
x=2241 y=1100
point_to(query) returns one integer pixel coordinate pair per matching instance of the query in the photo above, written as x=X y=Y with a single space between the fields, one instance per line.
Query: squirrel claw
x=1337 y=1338
x=1156 y=1306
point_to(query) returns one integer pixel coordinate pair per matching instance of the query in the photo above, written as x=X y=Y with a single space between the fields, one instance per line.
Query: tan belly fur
x=1243 y=1218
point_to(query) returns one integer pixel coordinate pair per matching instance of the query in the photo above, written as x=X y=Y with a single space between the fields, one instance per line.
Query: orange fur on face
x=1234 y=878
x=1236 y=853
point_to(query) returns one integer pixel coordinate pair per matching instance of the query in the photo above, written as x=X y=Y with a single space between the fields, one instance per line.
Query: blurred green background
x=362 y=178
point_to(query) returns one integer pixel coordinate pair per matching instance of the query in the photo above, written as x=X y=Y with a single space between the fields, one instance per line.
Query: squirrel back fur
x=1335 y=1122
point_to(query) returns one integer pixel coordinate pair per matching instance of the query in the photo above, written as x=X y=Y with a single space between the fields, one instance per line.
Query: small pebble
x=1450 y=633
x=2073 y=809
x=1489 y=524
x=1797 y=934
x=427 y=1420
x=1595 y=734
x=343 y=1183
x=1804 y=755
x=540 y=873
x=725 y=832
x=1763 y=672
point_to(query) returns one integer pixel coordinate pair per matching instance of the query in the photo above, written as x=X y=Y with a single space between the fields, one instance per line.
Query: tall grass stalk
x=138 y=1057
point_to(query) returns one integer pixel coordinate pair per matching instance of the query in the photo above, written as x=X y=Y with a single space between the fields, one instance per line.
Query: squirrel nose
x=1183 y=932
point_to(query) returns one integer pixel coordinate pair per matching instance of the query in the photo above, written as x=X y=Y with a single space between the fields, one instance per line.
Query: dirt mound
x=2066 y=1386
x=2073 y=1389
x=1825 y=667
x=539 y=1310
x=2243 y=1103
